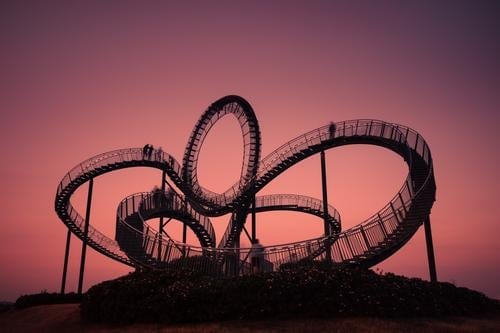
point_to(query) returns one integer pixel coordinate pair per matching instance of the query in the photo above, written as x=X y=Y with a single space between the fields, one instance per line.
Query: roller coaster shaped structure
x=138 y=245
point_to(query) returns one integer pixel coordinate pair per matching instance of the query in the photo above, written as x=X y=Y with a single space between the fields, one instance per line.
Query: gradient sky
x=82 y=78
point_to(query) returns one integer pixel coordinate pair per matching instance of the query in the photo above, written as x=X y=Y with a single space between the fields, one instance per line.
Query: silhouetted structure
x=137 y=244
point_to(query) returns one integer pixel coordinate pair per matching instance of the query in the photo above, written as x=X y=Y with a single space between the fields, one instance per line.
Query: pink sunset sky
x=82 y=78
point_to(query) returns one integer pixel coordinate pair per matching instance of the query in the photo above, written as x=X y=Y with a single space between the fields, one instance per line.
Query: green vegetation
x=313 y=291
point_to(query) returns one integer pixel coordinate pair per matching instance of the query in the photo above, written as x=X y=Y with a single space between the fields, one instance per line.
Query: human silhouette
x=159 y=154
x=150 y=151
x=257 y=256
x=156 y=197
x=167 y=197
x=332 y=130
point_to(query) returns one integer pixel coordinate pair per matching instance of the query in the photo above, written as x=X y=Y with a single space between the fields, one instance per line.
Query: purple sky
x=82 y=78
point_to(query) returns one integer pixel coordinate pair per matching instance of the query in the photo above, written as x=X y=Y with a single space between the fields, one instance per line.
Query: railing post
x=328 y=254
x=394 y=212
x=340 y=249
x=65 y=267
x=85 y=235
x=402 y=202
x=368 y=246
x=153 y=246
x=410 y=188
x=348 y=242
x=382 y=225
x=126 y=207
x=430 y=250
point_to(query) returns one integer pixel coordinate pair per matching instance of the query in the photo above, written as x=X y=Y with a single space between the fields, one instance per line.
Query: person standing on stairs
x=150 y=151
x=332 y=130
x=159 y=154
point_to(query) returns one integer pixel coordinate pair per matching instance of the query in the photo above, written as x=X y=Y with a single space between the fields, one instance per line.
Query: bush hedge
x=44 y=297
x=309 y=291
x=5 y=306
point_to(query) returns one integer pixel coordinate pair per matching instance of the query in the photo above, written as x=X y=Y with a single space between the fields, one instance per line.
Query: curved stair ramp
x=384 y=233
x=366 y=244
x=94 y=167
x=147 y=246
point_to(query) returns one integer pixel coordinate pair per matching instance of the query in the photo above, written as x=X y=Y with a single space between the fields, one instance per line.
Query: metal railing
x=312 y=142
x=90 y=168
x=386 y=229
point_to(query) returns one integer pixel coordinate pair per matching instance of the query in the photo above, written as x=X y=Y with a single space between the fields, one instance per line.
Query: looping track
x=210 y=203
x=366 y=244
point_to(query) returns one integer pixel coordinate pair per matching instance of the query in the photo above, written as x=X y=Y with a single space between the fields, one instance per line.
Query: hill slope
x=315 y=291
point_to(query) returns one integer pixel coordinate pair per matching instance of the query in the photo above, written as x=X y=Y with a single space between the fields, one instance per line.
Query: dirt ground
x=66 y=318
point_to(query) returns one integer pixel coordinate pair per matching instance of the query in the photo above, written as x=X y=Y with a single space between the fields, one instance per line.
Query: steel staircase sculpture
x=366 y=244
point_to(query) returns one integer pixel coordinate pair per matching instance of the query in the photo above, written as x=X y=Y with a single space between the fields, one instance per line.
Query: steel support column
x=254 y=222
x=430 y=250
x=184 y=238
x=85 y=235
x=237 y=245
x=325 y=205
x=162 y=200
x=65 y=267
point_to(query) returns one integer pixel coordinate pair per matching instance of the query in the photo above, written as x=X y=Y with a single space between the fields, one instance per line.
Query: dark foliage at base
x=312 y=291
x=201 y=264
x=44 y=298
x=5 y=306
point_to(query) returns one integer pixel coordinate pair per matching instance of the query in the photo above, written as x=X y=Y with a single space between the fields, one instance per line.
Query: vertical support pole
x=65 y=267
x=184 y=233
x=430 y=250
x=254 y=222
x=237 y=254
x=160 y=229
x=325 y=204
x=85 y=235
x=184 y=238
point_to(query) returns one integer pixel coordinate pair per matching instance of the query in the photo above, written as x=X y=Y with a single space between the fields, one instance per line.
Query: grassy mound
x=315 y=291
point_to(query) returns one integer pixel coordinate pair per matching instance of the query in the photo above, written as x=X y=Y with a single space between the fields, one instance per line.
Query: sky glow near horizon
x=82 y=78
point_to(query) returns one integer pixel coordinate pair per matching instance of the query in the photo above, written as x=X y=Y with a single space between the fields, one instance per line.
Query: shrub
x=44 y=297
x=313 y=290
x=5 y=306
